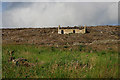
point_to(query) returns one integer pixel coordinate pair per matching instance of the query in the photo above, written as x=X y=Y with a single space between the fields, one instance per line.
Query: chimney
x=85 y=29
x=58 y=27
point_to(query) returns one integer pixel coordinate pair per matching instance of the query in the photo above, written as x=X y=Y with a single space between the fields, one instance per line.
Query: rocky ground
x=99 y=37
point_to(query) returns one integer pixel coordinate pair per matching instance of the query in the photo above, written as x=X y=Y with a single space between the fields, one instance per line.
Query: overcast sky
x=47 y=14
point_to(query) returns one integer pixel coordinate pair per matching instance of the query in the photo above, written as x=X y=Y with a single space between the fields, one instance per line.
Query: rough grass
x=51 y=62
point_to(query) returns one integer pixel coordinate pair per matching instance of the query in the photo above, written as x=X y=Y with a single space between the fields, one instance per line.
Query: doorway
x=62 y=32
x=73 y=31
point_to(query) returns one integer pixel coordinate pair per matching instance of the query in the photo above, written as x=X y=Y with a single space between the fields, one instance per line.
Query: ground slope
x=97 y=36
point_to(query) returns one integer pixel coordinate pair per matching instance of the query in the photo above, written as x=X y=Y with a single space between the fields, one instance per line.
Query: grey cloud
x=0 y=19
x=42 y=14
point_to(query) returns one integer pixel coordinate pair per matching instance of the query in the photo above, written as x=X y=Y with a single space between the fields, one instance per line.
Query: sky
x=48 y=14
x=0 y=13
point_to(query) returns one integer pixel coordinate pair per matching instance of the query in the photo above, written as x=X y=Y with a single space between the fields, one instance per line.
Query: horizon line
x=60 y=25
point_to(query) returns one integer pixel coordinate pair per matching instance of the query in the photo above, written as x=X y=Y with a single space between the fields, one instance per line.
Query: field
x=51 y=62
x=38 y=53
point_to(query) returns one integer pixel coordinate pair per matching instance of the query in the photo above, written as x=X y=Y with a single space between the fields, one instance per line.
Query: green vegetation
x=52 y=62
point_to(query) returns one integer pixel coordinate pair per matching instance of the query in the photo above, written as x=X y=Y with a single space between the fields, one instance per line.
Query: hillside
x=43 y=53
x=96 y=37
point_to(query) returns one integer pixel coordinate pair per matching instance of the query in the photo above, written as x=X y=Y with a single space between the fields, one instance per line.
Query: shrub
x=81 y=47
x=65 y=46
x=53 y=48
x=103 y=52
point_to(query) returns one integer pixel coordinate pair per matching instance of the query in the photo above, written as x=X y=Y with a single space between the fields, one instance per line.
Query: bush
x=65 y=46
x=103 y=52
x=53 y=48
x=81 y=47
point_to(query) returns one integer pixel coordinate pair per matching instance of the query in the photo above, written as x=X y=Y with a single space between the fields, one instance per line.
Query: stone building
x=68 y=30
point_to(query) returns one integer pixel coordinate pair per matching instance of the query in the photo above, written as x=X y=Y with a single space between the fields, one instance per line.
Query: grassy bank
x=51 y=62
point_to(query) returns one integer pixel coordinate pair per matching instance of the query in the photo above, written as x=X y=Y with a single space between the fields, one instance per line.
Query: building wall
x=67 y=31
